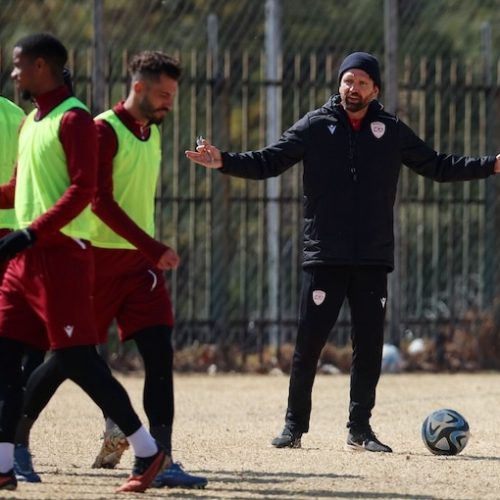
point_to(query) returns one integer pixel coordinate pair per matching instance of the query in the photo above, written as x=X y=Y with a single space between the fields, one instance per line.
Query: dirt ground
x=223 y=428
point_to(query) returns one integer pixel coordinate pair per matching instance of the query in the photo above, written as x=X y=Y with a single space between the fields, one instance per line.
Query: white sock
x=6 y=457
x=143 y=443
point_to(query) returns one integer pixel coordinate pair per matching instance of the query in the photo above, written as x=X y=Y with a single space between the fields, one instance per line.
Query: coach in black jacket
x=352 y=151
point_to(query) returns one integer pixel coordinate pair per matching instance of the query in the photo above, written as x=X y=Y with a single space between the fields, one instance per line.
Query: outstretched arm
x=441 y=167
x=270 y=161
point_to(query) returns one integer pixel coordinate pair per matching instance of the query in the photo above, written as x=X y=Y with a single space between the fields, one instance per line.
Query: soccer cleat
x=287 y=439
x=8 y=480
x=176 y=477
x=364 y=439
x=144 y=471
x=113 y=446
x=23 y=465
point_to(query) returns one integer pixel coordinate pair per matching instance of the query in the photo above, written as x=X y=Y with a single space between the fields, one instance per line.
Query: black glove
x=16 y=242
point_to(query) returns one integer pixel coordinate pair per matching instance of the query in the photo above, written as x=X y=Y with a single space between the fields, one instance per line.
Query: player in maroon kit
x=129 y=282
x=46 y=293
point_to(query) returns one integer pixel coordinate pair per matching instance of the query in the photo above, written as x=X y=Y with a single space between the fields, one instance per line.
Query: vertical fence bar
x=329 y=79
x=273 y=122
x=173 y=165
x=439 y=216
x=482 y=216
x=405 y=204
x=420 y=208
x=454 y=243
x=88 y=74
x=313 y=76
x=296 y=195
x=193 y=262
x=260 y=290
x=243 y=248
x=391 y=22
x=423 y=299
x=467 y=198
x=494 y=125
x=1 y=68
x=208 y=190
x=491 y=184
x=98 y=46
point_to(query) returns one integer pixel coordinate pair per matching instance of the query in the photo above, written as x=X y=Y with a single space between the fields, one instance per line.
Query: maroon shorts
x=131 y=290
x=46 y=296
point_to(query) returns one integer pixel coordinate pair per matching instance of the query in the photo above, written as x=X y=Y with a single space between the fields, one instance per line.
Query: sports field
x=224 y=424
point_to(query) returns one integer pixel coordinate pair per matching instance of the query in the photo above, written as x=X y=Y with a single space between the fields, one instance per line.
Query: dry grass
x=224 y=424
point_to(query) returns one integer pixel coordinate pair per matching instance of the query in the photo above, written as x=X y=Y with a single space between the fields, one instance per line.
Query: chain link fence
x=447 y=89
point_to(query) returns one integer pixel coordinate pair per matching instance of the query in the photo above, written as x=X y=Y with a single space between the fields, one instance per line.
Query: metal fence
x=447 y=90
x=448 y=267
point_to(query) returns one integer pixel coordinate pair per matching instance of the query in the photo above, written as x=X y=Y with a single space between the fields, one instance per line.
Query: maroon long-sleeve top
x=104 y=204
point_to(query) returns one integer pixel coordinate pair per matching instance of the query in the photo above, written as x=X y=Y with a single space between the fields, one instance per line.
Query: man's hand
x=497 y=165
x=206 y=154
x=169 y=260
x=16 y=242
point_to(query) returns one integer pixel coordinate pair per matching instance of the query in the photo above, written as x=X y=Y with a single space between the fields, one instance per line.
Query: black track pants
x=324 y=289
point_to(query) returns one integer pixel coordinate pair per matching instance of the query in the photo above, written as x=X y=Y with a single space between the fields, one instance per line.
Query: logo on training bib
x=378 y=129
x=383 y=300
x=69 y=330
x=319 y=297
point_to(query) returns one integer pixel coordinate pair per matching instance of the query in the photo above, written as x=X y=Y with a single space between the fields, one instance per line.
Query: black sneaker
x=364 y=439
x=287 y=439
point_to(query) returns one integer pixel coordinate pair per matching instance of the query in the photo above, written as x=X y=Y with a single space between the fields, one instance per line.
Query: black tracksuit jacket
x=350 y=179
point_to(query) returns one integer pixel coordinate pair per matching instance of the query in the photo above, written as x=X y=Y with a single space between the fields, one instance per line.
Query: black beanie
x=364 y=61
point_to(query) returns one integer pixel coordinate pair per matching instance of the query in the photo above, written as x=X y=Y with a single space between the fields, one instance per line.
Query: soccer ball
x=445 y=432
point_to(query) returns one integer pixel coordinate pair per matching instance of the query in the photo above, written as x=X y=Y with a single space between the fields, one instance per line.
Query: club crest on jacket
x=378 y=129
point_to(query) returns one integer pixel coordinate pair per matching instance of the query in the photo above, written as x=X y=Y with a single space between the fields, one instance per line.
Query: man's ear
x=138 y=86
x=40 y=63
